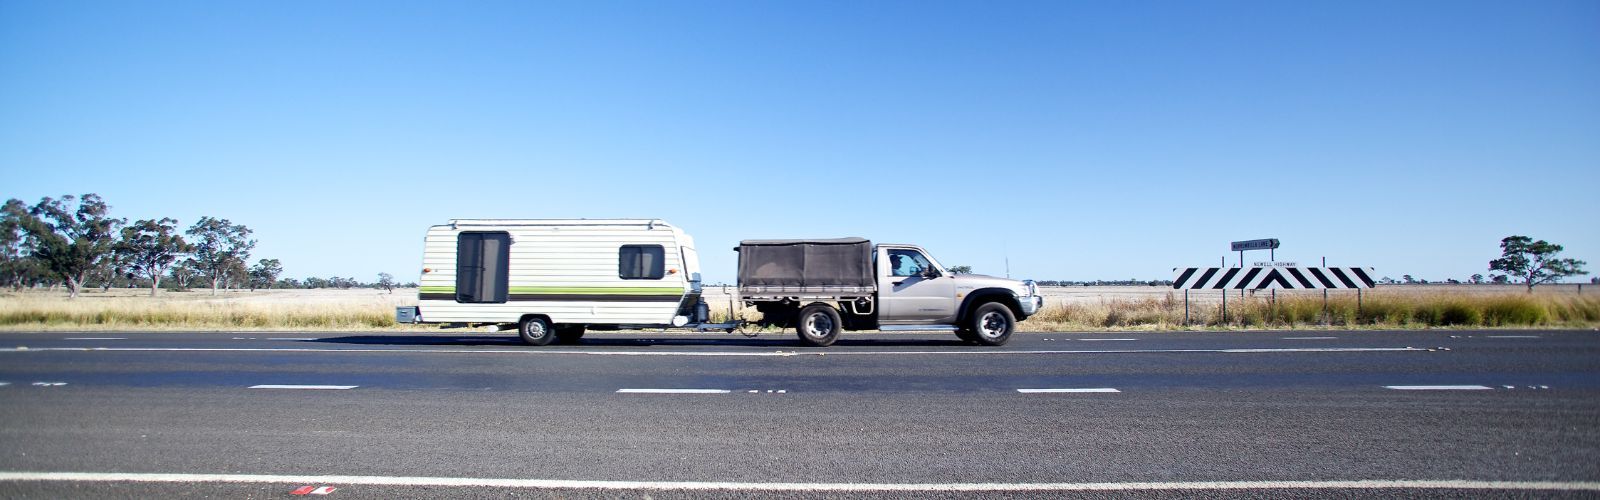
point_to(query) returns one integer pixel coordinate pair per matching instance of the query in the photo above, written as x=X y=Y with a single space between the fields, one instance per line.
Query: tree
x=1409 y=280
x=182 y=275
x=220 y=248
x=70 y=237
x=1534 y=262
x=386 y=282
x=1500 y=279
x=265 y=273
x=151 y=246
x=18 y=266
x=1476 y=279
x=960 y=269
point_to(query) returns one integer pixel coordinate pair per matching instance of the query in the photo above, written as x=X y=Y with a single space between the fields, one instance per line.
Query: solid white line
x=1438 y=387
x=1511 y=336
x=813 y=487
x=291 y=338
x=1094 y=389
x=314 y=387
x=672 y=391
x=1309 y=338
x=703 y=353
x=96 y=338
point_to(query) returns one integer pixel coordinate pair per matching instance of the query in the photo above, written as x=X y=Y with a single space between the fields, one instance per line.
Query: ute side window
x=642 y=262
x=907 y=262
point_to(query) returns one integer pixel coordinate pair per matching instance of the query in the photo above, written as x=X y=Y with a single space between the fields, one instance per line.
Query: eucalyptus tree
x=152 y=246
x=220 y=249
x=71 y=237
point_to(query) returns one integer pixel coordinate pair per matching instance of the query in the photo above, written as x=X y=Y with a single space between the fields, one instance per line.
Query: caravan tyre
x=535 y=331
x=569 y=334
x=992 y=324
x=818 y=325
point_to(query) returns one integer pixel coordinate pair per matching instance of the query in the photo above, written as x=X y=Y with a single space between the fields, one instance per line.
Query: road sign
x=1264 y=278
x=1266 y=244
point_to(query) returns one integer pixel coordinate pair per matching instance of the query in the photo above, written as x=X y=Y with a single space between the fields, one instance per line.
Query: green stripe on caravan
x=585 y=290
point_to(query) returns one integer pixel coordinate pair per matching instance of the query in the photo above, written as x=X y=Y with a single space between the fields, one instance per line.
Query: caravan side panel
x=566 y=272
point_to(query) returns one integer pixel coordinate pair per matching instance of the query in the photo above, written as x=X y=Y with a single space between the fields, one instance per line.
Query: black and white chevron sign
x=1263 y=278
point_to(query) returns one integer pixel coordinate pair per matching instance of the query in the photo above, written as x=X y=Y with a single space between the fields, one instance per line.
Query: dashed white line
x=1511 y=336
x=3 y=384
x=1438 y=387
x=1067 y=390
x=96 y=338
x=806 y=487
x=1309 y=338
x=1124 y=340
x=673 y=391
x=49 y=384
x=290 y=338
x=311 y=387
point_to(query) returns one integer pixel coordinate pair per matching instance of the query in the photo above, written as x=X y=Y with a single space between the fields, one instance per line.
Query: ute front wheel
x=992 y=324
x=535 y=331
x=818 y=325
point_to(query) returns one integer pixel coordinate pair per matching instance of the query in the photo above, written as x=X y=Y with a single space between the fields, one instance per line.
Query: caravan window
x=642 y=262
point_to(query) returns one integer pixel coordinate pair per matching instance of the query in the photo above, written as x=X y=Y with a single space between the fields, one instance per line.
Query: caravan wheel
x=535 y=331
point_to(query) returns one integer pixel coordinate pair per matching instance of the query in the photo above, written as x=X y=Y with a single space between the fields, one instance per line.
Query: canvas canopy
x=829 y=262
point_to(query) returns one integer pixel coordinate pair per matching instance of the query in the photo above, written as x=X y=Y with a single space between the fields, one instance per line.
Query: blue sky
x=1083 y=140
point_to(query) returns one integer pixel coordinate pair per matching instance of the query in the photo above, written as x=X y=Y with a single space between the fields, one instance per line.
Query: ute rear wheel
x=535 y=331
x=818 y=325
x=570 y=334
x=992 y=324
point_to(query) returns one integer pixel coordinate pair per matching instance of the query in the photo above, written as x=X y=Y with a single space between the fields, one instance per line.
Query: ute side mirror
x=930 y=273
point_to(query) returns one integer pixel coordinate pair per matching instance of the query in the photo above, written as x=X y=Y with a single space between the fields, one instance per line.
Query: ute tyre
x=818 y=325
x=992 y=324
x=570 y=334
x=535 y=331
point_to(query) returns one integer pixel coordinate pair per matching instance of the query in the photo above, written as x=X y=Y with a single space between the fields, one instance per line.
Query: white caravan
x=556 y=278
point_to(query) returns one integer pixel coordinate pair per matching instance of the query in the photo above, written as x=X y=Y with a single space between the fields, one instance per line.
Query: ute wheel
x=535 y=331
x=818 y=325
x=992 y=324
x=570 y=334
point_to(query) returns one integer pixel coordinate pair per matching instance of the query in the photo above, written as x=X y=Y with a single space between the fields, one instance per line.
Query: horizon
x=1063 y=141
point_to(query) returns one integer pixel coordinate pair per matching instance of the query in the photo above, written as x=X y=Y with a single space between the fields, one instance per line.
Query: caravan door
x=482 y=267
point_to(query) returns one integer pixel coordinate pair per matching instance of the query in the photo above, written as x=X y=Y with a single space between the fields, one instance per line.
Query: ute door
x=908 y=295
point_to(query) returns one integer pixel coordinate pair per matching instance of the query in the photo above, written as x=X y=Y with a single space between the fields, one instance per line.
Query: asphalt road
x=1262 y=414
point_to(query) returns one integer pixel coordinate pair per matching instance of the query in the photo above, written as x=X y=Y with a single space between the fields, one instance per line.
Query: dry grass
x=1112 y=308
x=1379 y=311
x=275 y=310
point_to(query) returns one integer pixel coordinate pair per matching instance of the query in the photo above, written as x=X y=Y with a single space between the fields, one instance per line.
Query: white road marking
x=1309 y=338
x=3 y=384
x=1092 y=389
x=96 y=338
x=1438 y=387
x=672 y=391
x=810 y=487
x=1110 y=339
x=534 y=352
x=290 y=338
x=1511 y=336
x=313 y=387
x=49 y=384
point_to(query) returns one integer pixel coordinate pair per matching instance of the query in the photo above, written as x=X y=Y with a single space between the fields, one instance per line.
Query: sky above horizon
x=1078 y=140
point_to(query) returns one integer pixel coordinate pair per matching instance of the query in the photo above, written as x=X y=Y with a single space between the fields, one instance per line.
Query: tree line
x=74 y=241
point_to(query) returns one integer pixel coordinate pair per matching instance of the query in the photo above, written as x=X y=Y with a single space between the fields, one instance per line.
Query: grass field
x=1066 y=309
